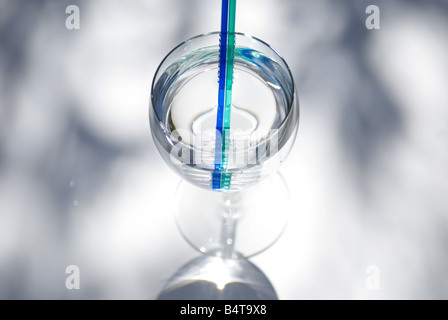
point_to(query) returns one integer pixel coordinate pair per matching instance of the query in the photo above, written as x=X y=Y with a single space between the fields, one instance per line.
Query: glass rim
x=293 y=97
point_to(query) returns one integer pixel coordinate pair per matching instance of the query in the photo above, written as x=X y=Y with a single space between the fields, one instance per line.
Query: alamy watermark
x=373 y=277
x=210 y=147
x=73 y=21
x=373 y=20
x=73 y=280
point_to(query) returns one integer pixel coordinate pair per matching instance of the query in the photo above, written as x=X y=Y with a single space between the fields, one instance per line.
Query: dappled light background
x=81 y=182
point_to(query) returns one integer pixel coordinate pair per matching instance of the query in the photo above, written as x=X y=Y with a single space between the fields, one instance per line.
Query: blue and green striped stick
x=221 y=178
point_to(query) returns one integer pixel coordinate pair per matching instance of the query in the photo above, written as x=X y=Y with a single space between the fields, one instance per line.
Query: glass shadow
x=215 y=278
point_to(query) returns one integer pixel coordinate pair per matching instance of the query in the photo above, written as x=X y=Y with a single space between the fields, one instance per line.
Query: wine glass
x=242 y=209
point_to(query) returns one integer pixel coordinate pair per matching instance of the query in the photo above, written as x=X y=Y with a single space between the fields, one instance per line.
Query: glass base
x=233 y=224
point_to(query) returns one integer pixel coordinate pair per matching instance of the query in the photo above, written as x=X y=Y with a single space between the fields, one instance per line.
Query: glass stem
x=229 y=225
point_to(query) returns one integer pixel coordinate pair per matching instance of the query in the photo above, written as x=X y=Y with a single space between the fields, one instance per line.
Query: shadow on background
x=81 y=183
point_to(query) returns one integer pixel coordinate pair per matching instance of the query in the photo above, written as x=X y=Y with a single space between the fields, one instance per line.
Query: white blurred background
x=82 y=183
